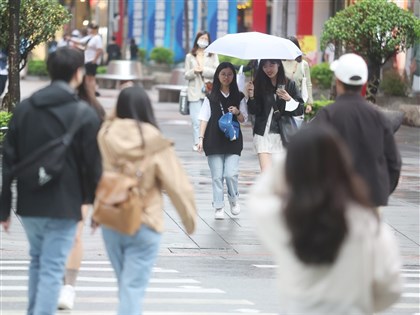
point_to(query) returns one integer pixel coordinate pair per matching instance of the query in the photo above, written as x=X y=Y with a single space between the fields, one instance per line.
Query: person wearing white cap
x=366 y=131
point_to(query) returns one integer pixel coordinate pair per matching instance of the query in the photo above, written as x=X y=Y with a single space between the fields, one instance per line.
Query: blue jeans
x=50 y=241
x=132 y=258
x=195 y=108
x=224 y=167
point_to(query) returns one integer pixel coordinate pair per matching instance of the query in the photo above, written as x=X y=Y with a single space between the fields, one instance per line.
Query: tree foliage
x=374 y=29
x=24 y=24
x=39 y=21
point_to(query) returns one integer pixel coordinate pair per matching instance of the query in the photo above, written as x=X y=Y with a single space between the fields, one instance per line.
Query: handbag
x=207 y=86
x=287 y=128
x=304 y=93
x=228 y=126
x=118 y=203
x=240 y=79
x=184 y=106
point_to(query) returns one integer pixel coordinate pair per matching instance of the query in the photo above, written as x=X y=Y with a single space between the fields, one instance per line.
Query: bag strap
x=68 y=136
x=65 y=139
x=221 y=108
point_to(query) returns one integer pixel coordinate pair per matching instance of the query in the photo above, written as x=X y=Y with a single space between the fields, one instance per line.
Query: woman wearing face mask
x=274 y=96
x=199 y=70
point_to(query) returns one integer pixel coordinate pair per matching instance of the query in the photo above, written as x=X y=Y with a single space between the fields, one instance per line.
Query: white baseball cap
x=350 y=69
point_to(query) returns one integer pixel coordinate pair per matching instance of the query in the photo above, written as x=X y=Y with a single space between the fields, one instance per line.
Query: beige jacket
x=196 y=81
x=119 y=139
x=295 y=71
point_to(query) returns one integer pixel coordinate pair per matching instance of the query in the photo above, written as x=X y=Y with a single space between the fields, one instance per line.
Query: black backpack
x=45 y=164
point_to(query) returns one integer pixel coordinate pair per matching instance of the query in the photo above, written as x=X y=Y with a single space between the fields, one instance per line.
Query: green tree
x=40 y=21
x=374 y=29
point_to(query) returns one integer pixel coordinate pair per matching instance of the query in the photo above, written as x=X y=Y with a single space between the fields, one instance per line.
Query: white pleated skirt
x=270 y=142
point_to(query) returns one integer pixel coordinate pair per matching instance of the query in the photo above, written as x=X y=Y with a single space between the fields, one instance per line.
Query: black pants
x=3 y=80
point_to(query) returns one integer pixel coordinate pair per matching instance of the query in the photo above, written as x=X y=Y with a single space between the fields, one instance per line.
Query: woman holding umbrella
x=273 y=100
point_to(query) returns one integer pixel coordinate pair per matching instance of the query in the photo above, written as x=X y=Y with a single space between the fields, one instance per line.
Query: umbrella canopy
x=254 y=45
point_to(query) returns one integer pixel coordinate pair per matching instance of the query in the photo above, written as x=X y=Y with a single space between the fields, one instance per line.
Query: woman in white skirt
x=272 y=97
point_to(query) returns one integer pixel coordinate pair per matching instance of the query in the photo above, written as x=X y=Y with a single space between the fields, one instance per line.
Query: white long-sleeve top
x=365 y=277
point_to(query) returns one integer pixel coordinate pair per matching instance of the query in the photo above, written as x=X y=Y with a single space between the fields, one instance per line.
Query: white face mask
x=202 y=43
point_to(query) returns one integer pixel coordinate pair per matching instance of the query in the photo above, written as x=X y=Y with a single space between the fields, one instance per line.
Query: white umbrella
x=254 y=45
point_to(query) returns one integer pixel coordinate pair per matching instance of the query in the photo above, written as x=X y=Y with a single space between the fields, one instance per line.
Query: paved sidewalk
x=234 y=237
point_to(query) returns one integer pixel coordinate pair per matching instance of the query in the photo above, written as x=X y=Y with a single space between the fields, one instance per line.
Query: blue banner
x=130 y=15
x=168 y=24
x=179 y=31
x=150 y=40
x=233 y=18
x=212 y=19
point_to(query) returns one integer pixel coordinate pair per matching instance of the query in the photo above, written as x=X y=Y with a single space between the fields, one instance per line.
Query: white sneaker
x=67 y=295
x=235 y=208
x=219 y=214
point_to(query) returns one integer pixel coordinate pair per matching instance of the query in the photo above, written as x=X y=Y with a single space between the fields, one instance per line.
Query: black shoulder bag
x=45 y=164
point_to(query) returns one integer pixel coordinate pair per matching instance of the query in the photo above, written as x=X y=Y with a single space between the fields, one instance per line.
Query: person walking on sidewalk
x=312 y=211
x=298 y=70
x=50 y=213
x=272 y=97
x=199 y=72
x=222 y=153
x=93 y=48
x=132 y=137
x=86 y=93
x=366 y=131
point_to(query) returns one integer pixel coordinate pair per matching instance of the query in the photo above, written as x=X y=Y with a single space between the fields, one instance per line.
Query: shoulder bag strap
x=65 y=139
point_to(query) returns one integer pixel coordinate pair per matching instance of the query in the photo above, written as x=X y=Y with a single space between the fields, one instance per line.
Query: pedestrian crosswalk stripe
x=115 y=289
x=265 y=266
x=413 y=306
x=114 y=300
x=82 y=279
x=410 y=275
x=102 y=269
x=145 y=313
x=411 y=295
x=410 y=270
x=412 y=285
x=26 y=262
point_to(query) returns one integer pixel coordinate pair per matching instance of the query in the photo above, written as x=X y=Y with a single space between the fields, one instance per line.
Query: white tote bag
x=304 y=92
x=240 y=79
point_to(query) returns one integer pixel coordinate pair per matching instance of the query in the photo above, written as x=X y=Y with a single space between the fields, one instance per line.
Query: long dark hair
x=133 y=102
x=87 y=93
x=295 y=41
x=233 y=87
x=322 y=182
x=263 y=83
x=195 y=44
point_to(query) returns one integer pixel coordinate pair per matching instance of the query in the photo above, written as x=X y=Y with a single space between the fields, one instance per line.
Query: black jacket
x=46 y=115
x=369 y=136
x=262 y=104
